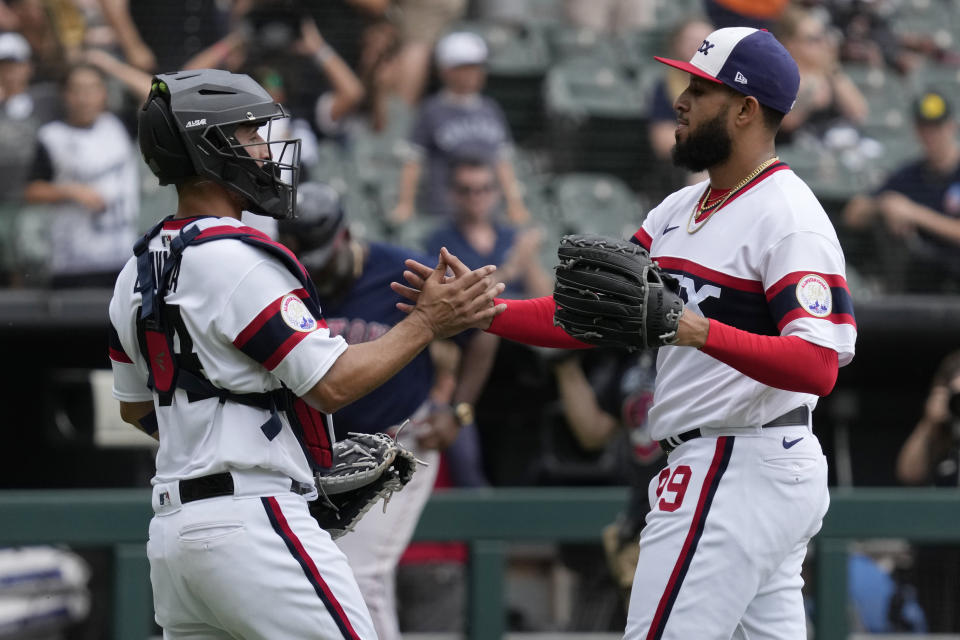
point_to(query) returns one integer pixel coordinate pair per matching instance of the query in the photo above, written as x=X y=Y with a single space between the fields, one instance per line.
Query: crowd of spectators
x=408 y=92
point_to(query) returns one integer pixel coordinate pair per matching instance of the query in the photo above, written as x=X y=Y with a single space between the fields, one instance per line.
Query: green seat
x=583 y=87
x=597 y=203
x=568 y=41
x=515 y=49
x=942 y=78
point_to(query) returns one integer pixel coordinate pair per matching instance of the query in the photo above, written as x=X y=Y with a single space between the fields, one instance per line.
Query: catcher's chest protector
x=169 y=370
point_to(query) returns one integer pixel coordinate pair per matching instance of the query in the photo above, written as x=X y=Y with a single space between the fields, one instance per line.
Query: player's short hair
x=772 y=118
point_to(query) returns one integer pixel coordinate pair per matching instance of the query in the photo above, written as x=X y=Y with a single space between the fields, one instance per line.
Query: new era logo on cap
x=748 y=60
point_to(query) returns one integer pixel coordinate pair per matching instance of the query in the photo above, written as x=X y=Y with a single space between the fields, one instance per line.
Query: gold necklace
x=701 y=207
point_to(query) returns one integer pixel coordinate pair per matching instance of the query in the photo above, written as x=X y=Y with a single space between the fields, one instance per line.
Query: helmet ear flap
x=162 y=145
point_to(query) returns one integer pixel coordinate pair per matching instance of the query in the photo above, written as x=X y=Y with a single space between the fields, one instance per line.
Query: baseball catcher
x=610 y=292
x=366 y=467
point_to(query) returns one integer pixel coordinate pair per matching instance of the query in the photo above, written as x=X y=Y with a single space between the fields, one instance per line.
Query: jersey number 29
x=675 y=484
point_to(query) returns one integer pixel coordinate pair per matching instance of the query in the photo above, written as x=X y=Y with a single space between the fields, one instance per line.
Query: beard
x=707 y=146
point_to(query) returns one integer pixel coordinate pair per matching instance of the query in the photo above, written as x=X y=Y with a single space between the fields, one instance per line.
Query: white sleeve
x=805 y=282
x=265 y=317
x=129 y=382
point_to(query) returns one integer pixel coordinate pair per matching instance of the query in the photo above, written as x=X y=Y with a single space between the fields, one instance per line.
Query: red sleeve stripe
x=268 y=338
x=643 y=238
x=264 y=316
x=286 y=347
x=119 y=356
x=791 y=280
x=115 y=348
x=257 y=323
x=675 y=265
x=835 y=318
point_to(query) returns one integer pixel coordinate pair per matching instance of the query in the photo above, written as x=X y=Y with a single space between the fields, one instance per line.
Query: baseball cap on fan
x=461 y=48
x=749 y=61
x=14 y=47
x=931 y=107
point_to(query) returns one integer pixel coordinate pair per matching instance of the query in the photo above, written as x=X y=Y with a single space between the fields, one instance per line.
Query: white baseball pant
x=722 y=549
x=374 y=547
x=252 y=565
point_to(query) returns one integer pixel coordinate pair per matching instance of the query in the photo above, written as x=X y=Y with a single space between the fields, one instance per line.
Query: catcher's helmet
x=187 y=127
x=321 y=221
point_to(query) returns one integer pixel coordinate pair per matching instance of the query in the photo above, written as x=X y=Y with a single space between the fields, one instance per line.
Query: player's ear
x=750 y=110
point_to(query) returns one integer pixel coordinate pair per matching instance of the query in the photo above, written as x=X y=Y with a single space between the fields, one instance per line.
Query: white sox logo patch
x=296 y=314
x=814 y=295
x=696 y=296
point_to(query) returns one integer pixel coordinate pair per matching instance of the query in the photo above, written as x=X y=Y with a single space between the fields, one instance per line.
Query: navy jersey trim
x=282 y=528
x=718 y=466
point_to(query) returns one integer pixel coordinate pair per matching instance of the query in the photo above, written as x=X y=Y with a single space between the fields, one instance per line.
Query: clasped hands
x=448 y=303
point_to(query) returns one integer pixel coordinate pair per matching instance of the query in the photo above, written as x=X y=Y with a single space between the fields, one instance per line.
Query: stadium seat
x=519 y=59
x=569 y=41
x=597 y=203
x=596 y=119
x=583 y=87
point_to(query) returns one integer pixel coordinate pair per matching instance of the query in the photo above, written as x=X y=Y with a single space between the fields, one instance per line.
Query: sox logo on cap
x=750 y=61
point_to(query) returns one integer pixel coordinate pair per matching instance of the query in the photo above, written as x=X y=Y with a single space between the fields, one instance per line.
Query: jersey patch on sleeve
x=277 y=329
x=296 y=314
x=804 y=294
x=814 y=295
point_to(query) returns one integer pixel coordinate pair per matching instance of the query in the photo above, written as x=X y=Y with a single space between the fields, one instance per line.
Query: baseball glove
x=610 y=292
x=366 y=467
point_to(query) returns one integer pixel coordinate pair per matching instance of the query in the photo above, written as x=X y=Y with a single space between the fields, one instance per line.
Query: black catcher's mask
x=187 y=128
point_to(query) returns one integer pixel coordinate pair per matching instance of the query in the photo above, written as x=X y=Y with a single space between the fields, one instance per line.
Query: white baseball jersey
x=240 y=320
x=242 y=313
x=768 y=261
x=100 y=156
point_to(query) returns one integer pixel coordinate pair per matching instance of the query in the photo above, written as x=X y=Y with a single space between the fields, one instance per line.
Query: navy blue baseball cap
x=749 y=61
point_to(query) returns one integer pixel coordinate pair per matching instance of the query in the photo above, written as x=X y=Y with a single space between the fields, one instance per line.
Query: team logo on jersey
x=814 y=295
x=296 y=314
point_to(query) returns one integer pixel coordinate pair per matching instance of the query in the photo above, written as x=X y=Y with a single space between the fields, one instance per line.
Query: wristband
x=464 y=413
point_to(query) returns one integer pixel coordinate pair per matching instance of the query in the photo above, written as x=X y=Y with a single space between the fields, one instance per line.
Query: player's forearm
x=141 y=415
x=117 y=14
x=591 y=425
x=44 y=192
x=508 y=182
x=784 y=362
x=347 y=89
x=939 y=224
x=913 y=462
x=531 y=322
x=365 y=366
x=858 y=212
x=475 y=366
x=409 y=179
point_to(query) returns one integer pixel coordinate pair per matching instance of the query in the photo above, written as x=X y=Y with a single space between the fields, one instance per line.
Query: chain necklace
x=703 y=210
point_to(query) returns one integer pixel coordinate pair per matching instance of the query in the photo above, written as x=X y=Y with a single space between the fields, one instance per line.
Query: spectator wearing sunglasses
x=478 y=237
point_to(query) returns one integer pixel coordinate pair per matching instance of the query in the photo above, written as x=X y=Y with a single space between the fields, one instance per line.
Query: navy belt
x=216 y=485
x=795 y=417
